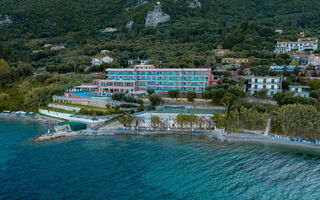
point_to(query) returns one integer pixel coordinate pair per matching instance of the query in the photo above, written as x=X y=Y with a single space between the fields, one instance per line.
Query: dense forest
x=186 y=40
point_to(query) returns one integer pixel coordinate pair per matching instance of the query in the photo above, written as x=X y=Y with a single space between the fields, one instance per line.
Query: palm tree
x=137 y=120
x=181 y=119
x=192 y=119
x=155 y=121
x=126 y=120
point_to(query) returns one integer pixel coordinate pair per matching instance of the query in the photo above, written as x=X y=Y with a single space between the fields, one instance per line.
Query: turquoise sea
x=147 y=168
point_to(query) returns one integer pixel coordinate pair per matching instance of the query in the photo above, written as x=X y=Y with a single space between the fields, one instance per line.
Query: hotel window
x=272 y=80
x=264 y=86
x=264 y=80
x=256 y=80
x=272 y=87
x=255 y=86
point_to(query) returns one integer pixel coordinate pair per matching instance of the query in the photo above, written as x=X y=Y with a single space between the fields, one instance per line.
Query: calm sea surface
x=137 y=167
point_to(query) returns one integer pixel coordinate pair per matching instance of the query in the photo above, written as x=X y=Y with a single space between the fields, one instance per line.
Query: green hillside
x=56 y=16
x=186 y=40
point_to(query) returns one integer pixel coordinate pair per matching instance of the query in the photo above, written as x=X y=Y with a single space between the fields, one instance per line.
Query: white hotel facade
x=303 y=44
x=272 y=84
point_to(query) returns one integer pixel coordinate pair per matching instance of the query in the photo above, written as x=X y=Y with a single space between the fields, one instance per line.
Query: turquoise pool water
x=137 y=167
x=84 y=94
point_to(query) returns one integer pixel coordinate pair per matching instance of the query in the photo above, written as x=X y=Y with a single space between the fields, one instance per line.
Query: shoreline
x=40 y=118
x=220 y=137
x=272 y=142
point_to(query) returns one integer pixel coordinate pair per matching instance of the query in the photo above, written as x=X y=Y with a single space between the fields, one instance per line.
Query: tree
x=137 y=121
x=191 y=119
x=118 y=96
x=191 y=95
x=261 y=93
x=227 y=101
x=4 y=96
x=155 y=99
x=185 y=37
x=126 y=120
x=315 y=94
x=206 y=95
x=155 y=121
x=4 y=67
x=150 y=91
x=217 y=95
x=294 y=62
x=294 y=120
x=318 y=104
x=236 y=90
x=174 y=93
x=4 y=71
x=296 y=71
x=219 y=120
x=181 y=119
x=314 y=84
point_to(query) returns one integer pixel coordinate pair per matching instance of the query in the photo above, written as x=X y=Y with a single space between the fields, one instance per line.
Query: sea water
x=145 y=167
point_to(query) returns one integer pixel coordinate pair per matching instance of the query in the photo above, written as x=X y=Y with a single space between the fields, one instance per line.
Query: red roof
x=301 y=55
x=308 y=38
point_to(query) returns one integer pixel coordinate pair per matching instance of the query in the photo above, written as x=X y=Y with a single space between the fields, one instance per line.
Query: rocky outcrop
x=194 y=3
x=50 y=23
x=137 y=4
x=156 y=16
x=129 y=24
x=5 y=20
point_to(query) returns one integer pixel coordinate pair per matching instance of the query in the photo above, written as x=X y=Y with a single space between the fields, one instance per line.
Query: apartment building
x=272 y=84
x=301 y=45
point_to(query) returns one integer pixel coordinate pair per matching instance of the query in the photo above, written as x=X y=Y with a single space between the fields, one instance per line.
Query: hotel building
x=138 y=79
x=163 y=79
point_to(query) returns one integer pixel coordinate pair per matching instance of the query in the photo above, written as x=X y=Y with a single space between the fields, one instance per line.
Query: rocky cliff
x=156 y=16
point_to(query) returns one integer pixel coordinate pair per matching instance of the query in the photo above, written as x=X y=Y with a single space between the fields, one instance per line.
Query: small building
x=47 y=45
x=40 y=70
x=130 y=62
x=300 y=90
x=234 y=60
x=301 y=58
x=279 y=31
x=220 y=52
x=273 y=84
x=57 y=47
x=37 y=51
x=314 y=60
x=109 y=30
x=97 y=61
x=282 y=68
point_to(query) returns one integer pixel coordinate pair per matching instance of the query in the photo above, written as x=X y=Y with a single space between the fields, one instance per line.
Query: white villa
x=300 y=90
x=270 y=83
x=303 y=44
x=97 y=61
